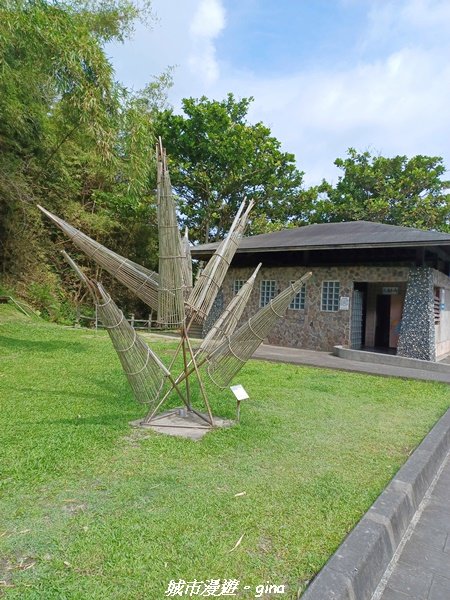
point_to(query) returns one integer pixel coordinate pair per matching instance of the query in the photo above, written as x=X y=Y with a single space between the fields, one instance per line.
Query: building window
x=298 y=302
x=267 y=291
x=330 y=295
x=237 y=284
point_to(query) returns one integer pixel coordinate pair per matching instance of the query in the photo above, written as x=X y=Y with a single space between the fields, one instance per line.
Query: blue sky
x=270 y=37
x=325 y=74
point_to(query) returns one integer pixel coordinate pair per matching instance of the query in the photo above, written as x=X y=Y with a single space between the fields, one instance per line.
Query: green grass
x=91 y=509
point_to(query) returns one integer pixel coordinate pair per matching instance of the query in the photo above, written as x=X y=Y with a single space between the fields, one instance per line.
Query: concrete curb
x=357 y=566
x=390 y=359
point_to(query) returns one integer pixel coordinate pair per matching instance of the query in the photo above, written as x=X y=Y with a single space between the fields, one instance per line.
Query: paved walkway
x=421 y=568
x=326 y=360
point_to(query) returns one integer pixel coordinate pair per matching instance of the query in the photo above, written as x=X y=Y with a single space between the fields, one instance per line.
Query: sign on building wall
x=390 y=291
x=344 y=303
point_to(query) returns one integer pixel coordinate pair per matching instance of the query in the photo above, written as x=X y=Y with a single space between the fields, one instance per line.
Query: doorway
x=383 y=321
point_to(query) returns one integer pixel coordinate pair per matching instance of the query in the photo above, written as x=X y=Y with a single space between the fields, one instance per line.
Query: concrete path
x=326 y=360
x=421 y=568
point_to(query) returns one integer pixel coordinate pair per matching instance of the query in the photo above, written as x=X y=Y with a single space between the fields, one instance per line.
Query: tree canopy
x=398 y=190
x=217 y=157
x=71 y=138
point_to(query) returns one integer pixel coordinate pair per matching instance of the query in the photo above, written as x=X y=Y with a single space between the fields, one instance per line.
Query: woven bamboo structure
x=210 y=280
x=228 y=320
x=235 y=350
x=186 y=263
x=138 y=279
x=171 y=256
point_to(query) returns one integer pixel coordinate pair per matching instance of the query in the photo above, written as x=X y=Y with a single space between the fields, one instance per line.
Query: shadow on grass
x=41 y=346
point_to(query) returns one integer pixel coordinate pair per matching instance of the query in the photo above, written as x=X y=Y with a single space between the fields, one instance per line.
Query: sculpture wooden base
x=182 y=422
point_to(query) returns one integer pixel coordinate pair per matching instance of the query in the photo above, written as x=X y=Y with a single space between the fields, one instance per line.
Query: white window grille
x=237 y=284
x=330 y=295
x=267 y=291
x=298 y=302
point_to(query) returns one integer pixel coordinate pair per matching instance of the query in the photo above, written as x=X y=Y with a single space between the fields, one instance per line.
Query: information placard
x=239 y=392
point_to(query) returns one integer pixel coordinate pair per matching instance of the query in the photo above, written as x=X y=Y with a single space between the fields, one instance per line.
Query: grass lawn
x=91 y=509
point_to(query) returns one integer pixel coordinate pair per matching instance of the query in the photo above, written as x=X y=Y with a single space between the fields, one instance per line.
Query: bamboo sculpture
x=179 y=303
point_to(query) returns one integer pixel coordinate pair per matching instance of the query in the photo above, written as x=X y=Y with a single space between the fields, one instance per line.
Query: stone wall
x=417 y=332
x=217 y=309
x=312 y=328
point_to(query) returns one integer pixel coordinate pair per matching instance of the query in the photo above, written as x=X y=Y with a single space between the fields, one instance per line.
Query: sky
x=325 y=75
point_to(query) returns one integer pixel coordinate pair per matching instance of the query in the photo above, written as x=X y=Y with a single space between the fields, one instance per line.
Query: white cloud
x=398 y=105
x=209 y=19
x=426 y=14
x=206 y=25
x=410 y=21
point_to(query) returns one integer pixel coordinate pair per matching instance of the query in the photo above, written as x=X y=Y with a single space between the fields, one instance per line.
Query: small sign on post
x=241 y=394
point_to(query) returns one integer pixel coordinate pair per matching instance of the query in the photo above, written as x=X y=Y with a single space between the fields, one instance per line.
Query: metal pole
x=202 y=387
x=188 y=390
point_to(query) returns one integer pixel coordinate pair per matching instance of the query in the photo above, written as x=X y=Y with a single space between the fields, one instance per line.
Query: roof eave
x=328 y=247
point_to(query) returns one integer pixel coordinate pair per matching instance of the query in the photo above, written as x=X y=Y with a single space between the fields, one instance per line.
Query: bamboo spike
x=138 y=279
x=206 y=287
x=227 y=322
x=225 y=349
x=235 y=350
x=171 y=285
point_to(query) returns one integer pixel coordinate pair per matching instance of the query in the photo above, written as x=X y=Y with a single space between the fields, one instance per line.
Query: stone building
x=373 y=286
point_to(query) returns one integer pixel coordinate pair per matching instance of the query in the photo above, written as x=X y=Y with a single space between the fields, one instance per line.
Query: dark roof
x=328 y=236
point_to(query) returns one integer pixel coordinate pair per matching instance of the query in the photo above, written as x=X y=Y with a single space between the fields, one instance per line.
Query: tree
x=217 y=157
x=71 y=137
x=398 y=191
